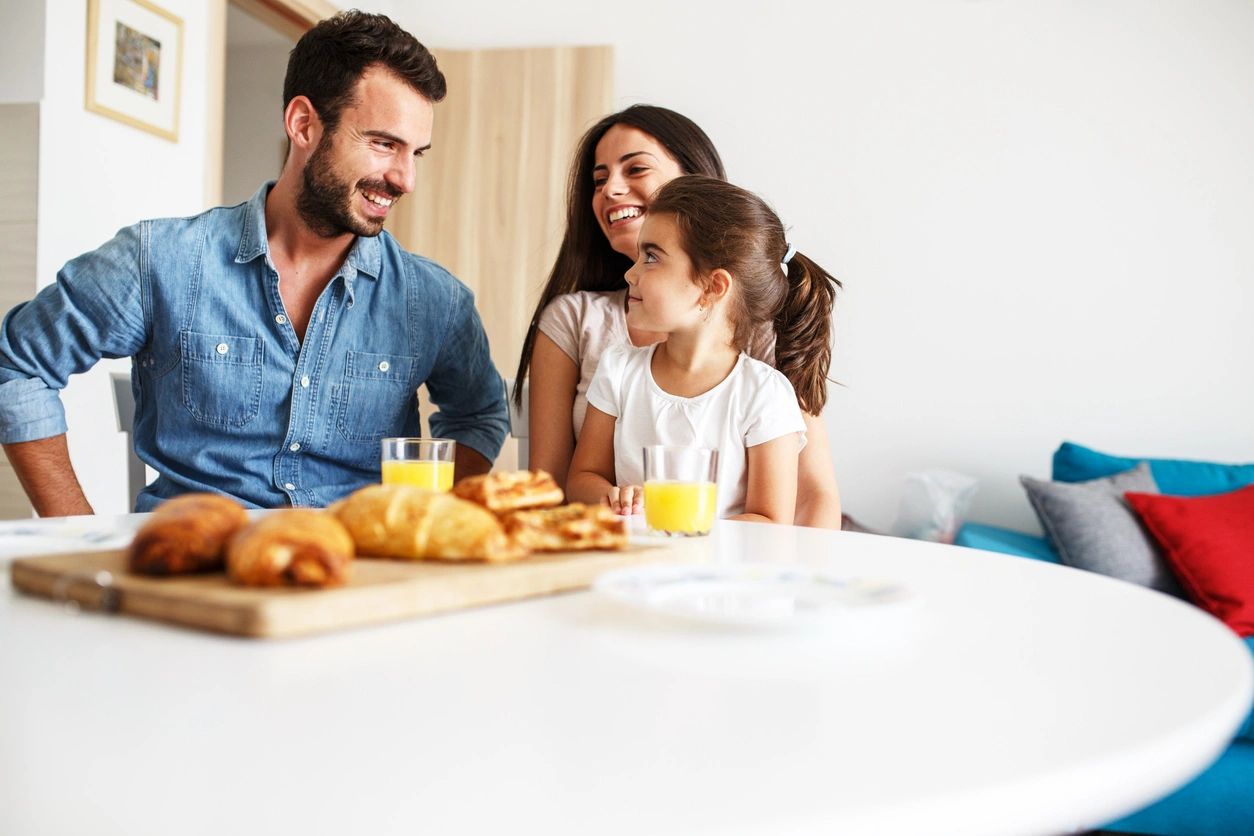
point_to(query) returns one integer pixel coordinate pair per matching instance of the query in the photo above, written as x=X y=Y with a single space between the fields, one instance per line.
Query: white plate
x=747 y=593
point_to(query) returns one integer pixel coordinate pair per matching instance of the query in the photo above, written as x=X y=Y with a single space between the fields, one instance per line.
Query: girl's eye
x=598 y=182
x=638 y=169
x=649 y=258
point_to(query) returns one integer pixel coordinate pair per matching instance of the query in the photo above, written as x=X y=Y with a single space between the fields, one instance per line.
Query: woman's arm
x=591 y=476
x=550 y=399
x=818 y=498
x=772 y=481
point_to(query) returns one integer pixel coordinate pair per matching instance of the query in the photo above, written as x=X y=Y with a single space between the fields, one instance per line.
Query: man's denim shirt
x=227 y=398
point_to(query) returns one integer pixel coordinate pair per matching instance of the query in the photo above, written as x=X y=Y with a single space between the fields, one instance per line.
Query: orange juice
x=432 y=475
x=683 y=507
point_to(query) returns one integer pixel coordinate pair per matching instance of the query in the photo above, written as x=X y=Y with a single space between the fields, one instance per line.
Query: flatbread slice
x=574 y=527
x=511 y=490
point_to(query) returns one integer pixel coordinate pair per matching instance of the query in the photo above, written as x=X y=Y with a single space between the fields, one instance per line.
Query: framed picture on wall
x=134 y=64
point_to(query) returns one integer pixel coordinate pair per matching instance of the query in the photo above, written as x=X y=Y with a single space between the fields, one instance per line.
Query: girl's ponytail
x=803 y=331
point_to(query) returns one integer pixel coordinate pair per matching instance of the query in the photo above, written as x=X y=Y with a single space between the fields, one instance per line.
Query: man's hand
x=43 y=467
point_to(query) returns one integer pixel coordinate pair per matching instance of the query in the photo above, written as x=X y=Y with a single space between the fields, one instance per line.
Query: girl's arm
x=818 y=498
x=591 y=476
x=772 y=481
x=550 y=399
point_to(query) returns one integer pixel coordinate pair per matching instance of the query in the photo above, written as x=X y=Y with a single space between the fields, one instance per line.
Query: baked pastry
x=511 y=490
x=412 y=523
x=574 y=527
x=294 y=547
x=186 y=534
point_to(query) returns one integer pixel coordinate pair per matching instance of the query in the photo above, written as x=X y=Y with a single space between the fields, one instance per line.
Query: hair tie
x=792 y=250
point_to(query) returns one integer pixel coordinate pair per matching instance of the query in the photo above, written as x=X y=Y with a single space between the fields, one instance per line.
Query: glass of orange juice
x=680 y=489
x=422 y=462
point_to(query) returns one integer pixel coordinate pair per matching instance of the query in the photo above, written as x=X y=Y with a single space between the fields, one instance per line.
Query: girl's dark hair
x=328 y=60
x=586 y=261
x=725 y=226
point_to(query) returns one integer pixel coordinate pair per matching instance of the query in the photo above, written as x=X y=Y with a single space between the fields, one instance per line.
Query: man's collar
x=366 y=256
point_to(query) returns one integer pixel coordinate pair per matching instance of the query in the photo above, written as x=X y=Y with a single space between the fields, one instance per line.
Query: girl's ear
x=717 y=285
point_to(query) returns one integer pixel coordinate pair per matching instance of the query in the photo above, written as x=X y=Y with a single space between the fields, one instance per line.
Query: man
x=276 y=342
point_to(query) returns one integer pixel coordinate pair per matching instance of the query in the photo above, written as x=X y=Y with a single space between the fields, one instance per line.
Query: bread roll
x=295 y=547
x=186 y=534
x=412 y=523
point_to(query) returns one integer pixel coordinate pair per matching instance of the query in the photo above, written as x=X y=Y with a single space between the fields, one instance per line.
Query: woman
x=620 y=162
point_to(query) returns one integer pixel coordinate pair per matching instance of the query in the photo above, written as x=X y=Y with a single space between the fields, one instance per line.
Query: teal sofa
x=1220 y=801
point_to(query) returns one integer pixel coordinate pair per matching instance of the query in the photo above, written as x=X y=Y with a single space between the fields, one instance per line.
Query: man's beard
x=325 y=202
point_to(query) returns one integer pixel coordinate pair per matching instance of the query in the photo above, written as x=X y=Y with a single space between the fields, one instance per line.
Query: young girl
x=713 y=266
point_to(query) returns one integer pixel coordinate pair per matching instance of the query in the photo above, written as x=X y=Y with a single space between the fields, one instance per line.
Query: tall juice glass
x=680 y=489
x=422 y=462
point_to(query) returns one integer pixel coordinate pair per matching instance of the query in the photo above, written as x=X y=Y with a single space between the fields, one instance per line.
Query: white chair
x=124 y=408
x=518 y=423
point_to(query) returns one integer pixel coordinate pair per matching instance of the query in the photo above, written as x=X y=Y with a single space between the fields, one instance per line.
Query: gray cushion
x=1093 y=527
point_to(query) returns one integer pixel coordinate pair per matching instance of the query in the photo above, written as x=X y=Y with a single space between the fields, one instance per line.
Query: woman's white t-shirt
x=585 y=323
x=751 y=406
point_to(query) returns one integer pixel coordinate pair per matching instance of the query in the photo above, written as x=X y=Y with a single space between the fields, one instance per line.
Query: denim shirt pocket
x=221 y=377
x=377 y=393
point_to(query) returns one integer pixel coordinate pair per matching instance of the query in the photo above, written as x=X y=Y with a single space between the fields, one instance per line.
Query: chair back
x=124 y=411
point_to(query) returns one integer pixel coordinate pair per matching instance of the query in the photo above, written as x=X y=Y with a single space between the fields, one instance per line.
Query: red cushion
x=1208 y=542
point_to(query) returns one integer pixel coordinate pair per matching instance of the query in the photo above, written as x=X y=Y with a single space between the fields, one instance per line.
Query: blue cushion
x=993 y=539
x=1176 y=477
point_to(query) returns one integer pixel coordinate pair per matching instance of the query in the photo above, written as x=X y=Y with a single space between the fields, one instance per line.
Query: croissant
x=408 y=522
x=295 y=547
x=186 y=534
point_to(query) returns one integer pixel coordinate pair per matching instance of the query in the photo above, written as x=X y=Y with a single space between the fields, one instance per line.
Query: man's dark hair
x=328 y=60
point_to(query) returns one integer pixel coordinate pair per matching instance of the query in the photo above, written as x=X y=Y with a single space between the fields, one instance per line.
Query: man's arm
x=43 y=467
x=467 y=391
x=93 y=310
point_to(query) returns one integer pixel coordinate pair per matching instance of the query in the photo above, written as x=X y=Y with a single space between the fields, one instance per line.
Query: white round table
x=1009 y=697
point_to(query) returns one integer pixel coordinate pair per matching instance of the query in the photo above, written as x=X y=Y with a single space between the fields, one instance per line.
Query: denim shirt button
x=304 y=382
x=223 y=348
x=288 y=486
x=384 y=366
x=294 y=446
x=281 y=319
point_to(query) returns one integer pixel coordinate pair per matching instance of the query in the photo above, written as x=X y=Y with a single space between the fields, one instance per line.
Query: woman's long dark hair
x=586 y=261
x=725 y=226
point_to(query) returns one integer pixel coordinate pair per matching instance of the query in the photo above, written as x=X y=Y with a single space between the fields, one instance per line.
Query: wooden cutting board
x=381 y=590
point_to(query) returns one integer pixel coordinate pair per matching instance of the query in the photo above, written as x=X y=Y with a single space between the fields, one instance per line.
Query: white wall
x=97 y=175
x=1041 y=210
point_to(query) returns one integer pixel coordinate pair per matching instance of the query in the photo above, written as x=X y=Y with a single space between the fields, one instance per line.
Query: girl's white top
x=585 y=323
x=751 y=406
